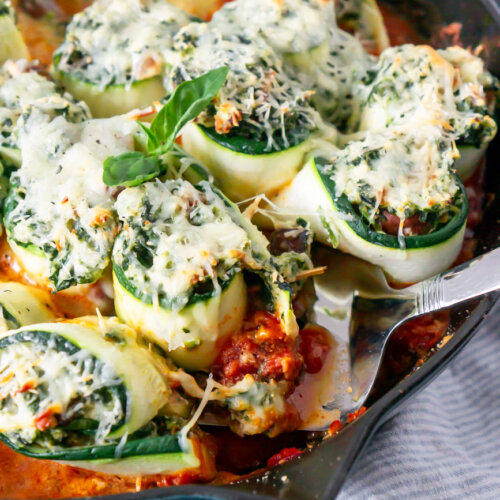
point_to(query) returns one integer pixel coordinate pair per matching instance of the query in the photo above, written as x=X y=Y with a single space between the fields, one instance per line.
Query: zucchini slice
x=12 y=45
x=23 y=305
x=177 y=266
x=75 y=394
x=470 y=159
x=202 y=325
x=169 y=454
x=115 y=53
x=113 y=99
x=335 y=222
x=177 y=271
x=159 y=455
x=59 y=215
x=242 y=175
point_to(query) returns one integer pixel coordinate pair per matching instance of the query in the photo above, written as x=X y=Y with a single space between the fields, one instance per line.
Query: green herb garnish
x=189 y=99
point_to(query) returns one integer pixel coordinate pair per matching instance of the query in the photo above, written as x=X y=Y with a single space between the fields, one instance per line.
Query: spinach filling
x=148 y=253
x=443 y=221
x=78 y=423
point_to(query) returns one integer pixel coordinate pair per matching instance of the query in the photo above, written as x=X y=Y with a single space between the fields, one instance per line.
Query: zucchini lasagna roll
x=73 y=391
x=413 y=84
x=254 y=137
x=59 y=215
x=178 y=267
x=391 y=198
x=115 y=53
x=12 y=45
x=21 y=87
x=314 y=50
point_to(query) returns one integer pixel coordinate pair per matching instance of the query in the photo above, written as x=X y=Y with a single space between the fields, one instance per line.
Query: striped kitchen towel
x=445 y=444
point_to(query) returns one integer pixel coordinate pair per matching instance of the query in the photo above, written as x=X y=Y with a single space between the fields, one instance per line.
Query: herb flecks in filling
x=58 y=205
x=177 y=242
x=389 y=178
x=119 y=42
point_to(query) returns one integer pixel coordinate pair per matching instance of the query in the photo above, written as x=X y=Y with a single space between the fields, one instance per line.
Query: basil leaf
x=152 y=141
x=130 y=169
x=189 y=99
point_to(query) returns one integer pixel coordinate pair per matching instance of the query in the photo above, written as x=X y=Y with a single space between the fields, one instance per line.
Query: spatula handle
x=460 y=284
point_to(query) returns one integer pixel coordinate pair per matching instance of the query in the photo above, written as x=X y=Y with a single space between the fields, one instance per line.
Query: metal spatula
x=373 y=311
x=375 y=318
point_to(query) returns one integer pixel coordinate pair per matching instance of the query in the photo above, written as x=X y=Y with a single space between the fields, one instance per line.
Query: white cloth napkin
x=445 y=444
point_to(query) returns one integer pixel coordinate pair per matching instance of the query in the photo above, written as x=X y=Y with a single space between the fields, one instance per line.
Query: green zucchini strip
x=74 y=392
x=59 y=215
x=242 y=175
x=334 y=220
x=364 y=19
x=178 y=264
x=23 y=305
x=115 y=53
x=114 y=99
x=12 y=45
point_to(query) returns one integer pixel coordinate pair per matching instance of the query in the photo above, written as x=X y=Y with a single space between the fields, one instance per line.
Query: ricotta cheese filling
x=401 y=171
x=119 y=42
x=178 y=241
x=20 y=88
x=413 y=84
x=58 y=205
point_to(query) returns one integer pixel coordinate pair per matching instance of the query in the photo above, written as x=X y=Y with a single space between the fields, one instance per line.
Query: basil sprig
x=189 y=99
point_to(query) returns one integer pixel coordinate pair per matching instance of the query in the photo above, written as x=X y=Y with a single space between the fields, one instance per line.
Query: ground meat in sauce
x=261 y=350
x=411 y=226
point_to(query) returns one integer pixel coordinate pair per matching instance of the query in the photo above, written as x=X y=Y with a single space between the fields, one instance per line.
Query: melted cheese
x=289 y=26
x=404 y=171
x=58 y=202
x=21 y=88
x=119 y=41
x=187 y=235
x=257 y=91
x=255 y=406
x=40 y=380
x=415 y=84
x=333 y=73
